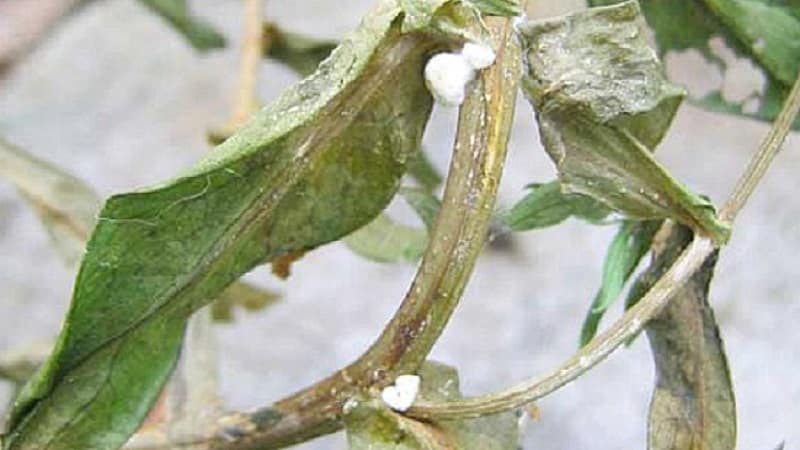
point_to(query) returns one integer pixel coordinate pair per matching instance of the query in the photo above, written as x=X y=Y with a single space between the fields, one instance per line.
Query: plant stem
x=767 y=151
x=634 y=320
x=252 y=53
x=479 y=153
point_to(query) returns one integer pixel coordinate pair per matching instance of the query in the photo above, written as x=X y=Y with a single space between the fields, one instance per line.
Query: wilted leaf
x=764 y=31
x=546 y=205
x=321 y=161
x=66 y=206
x=384 y=240
x=199 y=33
x=630 y=244
x=602 y=105
x=371 y=425
x=693 y=404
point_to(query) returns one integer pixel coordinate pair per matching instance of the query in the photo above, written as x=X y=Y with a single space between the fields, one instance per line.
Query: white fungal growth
x=447 y=76
x=402 y=394
x=478 y=56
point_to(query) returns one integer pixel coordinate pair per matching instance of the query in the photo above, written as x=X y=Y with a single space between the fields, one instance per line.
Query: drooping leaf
x=66 y=206
x=384 y=240
x=197 y=32
x=321 y=161
x=603 y=104
x=766 y=32
x=628 y=247
x=302 y=54
x=371 y=425
x=693 y=404
x=547 y=205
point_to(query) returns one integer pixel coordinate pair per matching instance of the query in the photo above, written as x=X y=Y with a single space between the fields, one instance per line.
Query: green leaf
x=300 y=53
x=765 y=31
x=504 y=8
x=321 y=161
x=628 y=247
x=197 y=32
x=371 y=425
x=303 y=54
x=603 y=104
x=384 y=240
x=547 y=205
x=693 y=404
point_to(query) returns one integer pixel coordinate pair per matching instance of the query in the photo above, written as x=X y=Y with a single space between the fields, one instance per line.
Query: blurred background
x=117 y=98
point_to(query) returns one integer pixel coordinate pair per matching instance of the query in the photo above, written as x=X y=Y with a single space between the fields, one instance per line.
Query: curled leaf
x=693 y=404
x=603 y=104
x=628 y=247
x=321 y=161
x=199 y=33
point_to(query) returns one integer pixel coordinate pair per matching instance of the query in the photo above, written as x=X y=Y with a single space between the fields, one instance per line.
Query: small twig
x=633 y=321
x=457 y=239
x=767 y=151
x=253 y=47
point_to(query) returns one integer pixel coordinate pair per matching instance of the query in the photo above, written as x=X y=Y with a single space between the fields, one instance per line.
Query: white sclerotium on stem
x=447 y=74
x=402 y=394
x=478 y=56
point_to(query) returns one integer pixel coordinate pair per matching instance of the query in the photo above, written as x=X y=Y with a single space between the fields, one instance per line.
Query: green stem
x=484 y=126
x=633 y=321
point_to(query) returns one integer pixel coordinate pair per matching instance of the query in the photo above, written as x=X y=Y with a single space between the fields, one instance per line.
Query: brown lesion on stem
x=484 y=125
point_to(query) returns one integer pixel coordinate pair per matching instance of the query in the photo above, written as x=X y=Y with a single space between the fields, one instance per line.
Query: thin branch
x=767 y=151
x=633 y=321
x=457 y=238
x=253 y=47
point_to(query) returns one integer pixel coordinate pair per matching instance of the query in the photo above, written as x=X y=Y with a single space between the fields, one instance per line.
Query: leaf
x=424 y=203
x=603 y=104
x=693 y=404
x=321 y=161
x=371 y=425
x=547 y=205
x=244 y=295
x=197 y=32
x=303 y=54
x=764 y=31
x=300 y=53
x=504 y=8
x=66 y=206
x=384 y=240
x=628 y=247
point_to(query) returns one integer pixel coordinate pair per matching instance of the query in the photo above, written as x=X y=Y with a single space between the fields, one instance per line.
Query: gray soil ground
x=116 y=98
